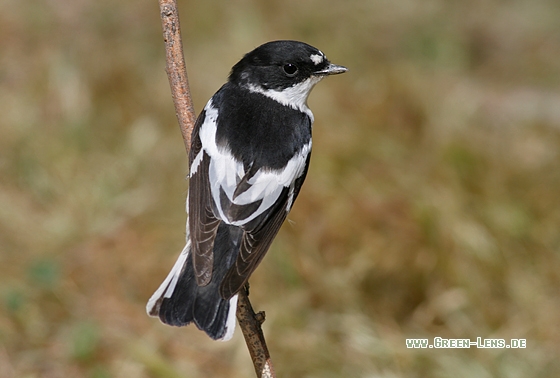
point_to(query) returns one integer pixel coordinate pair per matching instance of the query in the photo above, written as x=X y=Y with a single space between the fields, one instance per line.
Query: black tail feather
x=203 y=305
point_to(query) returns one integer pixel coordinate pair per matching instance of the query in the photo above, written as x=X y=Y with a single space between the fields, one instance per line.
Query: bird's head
x=283 y=70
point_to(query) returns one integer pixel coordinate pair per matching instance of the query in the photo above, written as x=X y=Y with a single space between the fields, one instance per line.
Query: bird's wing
x=203 y=224
x=259 y=234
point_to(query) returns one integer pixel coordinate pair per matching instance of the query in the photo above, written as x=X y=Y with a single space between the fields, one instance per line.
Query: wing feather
x=203 y=224
x=258 y=236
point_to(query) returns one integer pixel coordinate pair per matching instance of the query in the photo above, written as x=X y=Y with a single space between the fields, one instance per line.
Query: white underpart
x=317 y=58
x=295 y=96
x=225 y=172
x=231 y=318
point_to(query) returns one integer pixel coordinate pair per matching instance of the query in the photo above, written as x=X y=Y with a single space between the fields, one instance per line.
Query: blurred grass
x=431 y=207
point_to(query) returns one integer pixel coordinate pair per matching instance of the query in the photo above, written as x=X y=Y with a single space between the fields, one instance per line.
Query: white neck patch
x=295 y=96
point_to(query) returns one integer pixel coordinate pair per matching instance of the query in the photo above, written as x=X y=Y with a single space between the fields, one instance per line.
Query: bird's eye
x=290 y=69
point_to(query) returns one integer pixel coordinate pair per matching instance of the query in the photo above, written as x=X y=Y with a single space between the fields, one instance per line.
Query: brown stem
x=249 y=322
x=176 y=69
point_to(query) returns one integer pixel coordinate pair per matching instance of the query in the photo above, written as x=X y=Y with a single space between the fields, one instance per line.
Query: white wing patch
x=195 y=164
x=225 y=173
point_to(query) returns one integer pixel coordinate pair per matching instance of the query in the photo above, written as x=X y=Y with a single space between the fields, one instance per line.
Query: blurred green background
x=432 y=205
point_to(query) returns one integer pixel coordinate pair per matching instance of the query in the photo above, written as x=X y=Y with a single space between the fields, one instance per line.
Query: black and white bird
x=249 y=156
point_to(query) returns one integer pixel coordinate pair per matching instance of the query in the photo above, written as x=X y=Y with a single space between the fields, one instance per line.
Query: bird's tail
x=179 y=300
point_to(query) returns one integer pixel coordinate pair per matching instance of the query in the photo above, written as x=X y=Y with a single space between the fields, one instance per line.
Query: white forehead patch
x=317 y=58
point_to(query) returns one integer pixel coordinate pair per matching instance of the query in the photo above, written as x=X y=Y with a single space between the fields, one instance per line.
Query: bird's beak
x=332 y=69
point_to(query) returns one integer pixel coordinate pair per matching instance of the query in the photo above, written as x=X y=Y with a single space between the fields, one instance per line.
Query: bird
x=249 y=155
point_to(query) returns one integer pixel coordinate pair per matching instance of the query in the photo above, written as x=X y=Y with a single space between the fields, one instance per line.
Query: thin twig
x=249 y=322
x=176 y=69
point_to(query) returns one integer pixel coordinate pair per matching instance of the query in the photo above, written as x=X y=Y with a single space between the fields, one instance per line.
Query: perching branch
x=249 y=322
x=176 y=69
